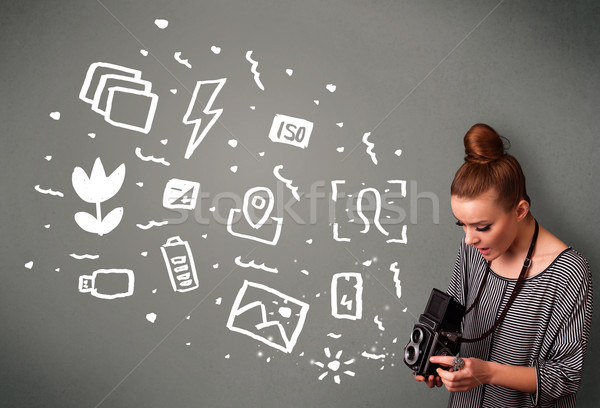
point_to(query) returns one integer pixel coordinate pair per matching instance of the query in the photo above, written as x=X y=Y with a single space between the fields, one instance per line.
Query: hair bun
x=483 y=145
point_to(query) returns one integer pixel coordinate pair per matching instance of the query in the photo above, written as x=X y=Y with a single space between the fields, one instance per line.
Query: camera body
x=437 y=333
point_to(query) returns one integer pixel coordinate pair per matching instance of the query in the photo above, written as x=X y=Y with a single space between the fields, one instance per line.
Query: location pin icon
x=255 y=198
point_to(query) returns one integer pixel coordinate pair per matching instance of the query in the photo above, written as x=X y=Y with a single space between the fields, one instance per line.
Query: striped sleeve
x=559 y=372
x=457 y=281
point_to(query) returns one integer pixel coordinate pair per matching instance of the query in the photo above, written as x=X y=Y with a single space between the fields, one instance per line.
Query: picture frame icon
x=280 y=317
x=181 y=194
x=106 y=83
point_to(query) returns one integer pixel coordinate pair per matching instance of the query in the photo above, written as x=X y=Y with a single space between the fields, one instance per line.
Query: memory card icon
x=181 y=194
x=346 y=295
x=180 y=264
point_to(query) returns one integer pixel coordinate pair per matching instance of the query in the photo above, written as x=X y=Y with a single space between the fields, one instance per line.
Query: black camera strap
x=526 y=265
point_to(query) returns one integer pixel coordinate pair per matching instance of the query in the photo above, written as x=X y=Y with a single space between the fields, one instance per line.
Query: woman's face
x=488 y=227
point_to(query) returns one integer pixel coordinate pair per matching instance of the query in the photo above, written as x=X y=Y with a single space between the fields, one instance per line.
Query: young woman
x=533 y=355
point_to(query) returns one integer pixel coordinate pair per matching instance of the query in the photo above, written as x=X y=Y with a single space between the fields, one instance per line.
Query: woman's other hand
x=431 y=381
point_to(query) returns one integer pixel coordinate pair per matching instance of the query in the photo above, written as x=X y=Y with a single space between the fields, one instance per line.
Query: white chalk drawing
x=377 y=215
x=368 y=262
x=160 y=160
x=402 y=186
x=84 y=256
x=372 y=356
x=208 y=116
x=334 y=335
x=292 y=131
x=254 y=265
x=181 y=194
x=281 y=316
x=180 y=264
x=161 y=23
x=336 y=234
x=394 y=268
x=108 y=283
x=334 y=190
x=55 y=115
x=331 y=87
x=29 y=265
x=182 y=61
x=287 y=182
x=377 y=211
x=151 y=224
x=96 y=189
x=151 y=317
x=401 y=240
x=379 y=323
x=254 y=198
x=254 y=71
x=123 y=85
x=48 y=191
x=370 y=147
x=334 y=365
x=346 y=302
x=216 y=50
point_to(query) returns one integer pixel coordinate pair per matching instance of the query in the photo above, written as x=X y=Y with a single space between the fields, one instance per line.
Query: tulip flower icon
x=97 y=189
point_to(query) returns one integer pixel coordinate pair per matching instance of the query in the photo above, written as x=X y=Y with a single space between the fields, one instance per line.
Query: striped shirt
x=547 y=326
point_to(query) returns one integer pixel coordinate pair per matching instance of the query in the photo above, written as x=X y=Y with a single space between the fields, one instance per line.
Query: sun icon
x=334 y=365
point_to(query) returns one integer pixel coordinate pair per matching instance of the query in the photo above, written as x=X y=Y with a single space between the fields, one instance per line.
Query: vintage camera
x=438 y=333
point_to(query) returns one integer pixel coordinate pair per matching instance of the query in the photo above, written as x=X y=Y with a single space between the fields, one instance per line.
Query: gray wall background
x=416 y=74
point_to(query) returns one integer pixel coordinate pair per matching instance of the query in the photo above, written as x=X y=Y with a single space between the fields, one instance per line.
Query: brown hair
x=488 y=166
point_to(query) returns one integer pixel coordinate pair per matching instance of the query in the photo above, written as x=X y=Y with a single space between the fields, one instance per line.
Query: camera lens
x=410 y=355
x=417 y=336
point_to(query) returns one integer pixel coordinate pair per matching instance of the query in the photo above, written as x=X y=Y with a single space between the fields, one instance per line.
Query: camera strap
x=526 y=265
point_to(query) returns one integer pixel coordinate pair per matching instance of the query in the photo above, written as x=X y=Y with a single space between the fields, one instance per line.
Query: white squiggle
x=373 y=356
x=252 y=264
x=370 y=147
x=84 y=256
x=394 y=268
x=336 y=234
x=161 y=160
x=151 y=224
x=379 y=323
x=334 y=336
x=287 y=182
x=254 y=71
x=182 y=61
x=402 y=240
x=48 y=191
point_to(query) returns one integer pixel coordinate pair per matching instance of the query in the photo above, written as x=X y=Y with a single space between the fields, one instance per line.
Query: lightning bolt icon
x=345 y=302
x=205 y=120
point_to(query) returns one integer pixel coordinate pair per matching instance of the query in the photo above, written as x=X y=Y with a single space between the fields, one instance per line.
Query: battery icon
x=180 y=264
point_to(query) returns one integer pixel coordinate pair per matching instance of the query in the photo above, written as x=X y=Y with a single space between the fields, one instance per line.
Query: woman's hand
x=475 y=373
x=431 y=381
